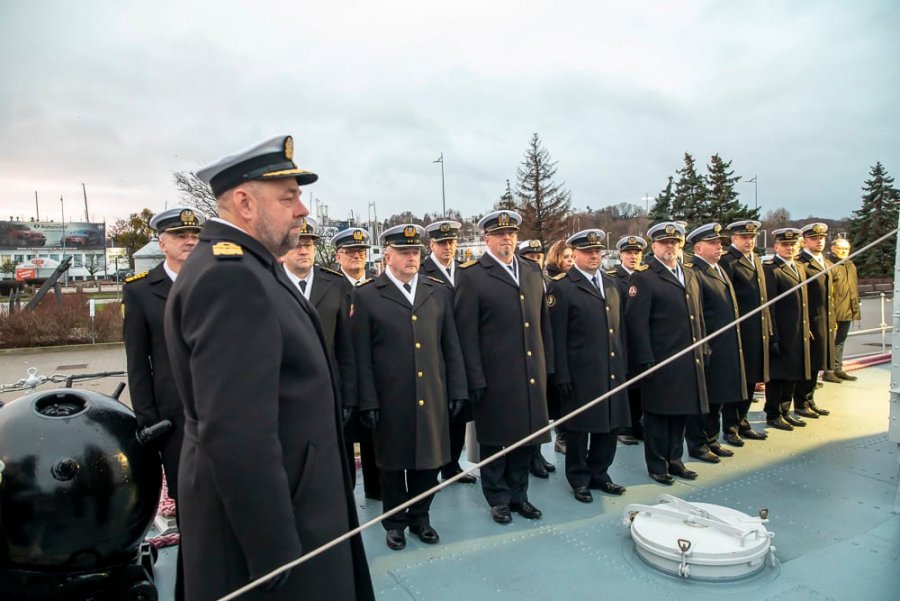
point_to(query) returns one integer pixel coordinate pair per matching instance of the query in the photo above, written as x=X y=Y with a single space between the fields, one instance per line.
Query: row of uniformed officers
x=271 y=366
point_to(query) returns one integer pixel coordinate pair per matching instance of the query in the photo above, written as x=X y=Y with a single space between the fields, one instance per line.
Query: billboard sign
x=39 y=235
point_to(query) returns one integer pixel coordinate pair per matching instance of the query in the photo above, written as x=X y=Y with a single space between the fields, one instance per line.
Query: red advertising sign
x=25 y=273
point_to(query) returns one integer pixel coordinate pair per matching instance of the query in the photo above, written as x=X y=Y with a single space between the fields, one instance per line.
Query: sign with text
x=39 y=235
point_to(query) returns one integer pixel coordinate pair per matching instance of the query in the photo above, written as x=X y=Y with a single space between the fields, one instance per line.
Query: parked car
x=83 y=238
x=19 y=234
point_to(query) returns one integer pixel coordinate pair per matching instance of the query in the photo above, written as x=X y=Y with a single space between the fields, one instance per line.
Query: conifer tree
x=689 y=201
x=544 y=204
x=723 y=205
x=662 y=209
x=876 y=217
x=507 y=201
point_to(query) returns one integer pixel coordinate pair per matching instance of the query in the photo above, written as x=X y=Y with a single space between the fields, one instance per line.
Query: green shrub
x=66 y=322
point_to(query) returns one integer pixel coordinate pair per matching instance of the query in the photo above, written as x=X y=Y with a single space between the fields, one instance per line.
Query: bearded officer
x=631 y=255
x=329 y=292
x=263 y=478
x=411 y=378
x=154 y=396
x=588 y=320
x=663 y=316
x=504 y=329
x=744 y=268
x=443 y=240
x=725 y=379
x=822 y=324
x=351 y=252
x=790 y=341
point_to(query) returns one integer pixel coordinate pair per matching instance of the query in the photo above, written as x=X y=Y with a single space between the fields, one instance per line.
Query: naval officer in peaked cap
x=725 y=378
x=504 y=330
x=663 y=316
x=588 y=318
x=631 y=255
x=263 y=476
x=411 y=378
x=154 y=396
x=351 y=252
x=441 y=263
x=744 y=268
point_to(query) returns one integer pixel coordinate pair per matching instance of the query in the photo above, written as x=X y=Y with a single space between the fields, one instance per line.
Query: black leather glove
x=475 y=395
x=455 y=406
x=644 y=367
x=565 y=389
x=276 y=583
x=370 y=418
x=774 y=349
x=346 y=414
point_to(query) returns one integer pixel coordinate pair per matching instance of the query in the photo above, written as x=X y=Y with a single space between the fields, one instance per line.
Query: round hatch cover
x=700 y=540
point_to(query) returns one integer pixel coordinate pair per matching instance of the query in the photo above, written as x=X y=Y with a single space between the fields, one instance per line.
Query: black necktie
x=303 y=286
x=407 y=287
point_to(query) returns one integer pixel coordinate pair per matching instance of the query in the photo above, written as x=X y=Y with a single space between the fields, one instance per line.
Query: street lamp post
x=63 y=209
x=755 y=192
x=443 y=193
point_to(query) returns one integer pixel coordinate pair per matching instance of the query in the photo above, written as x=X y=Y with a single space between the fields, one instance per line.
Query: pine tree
x=662 y=209
x=544 y=204
x=689 y=202
x=507 y=201
x=723 y=205
x=876 y=217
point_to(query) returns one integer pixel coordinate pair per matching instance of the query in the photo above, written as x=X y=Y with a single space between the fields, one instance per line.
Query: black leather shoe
x=537 y=469
x=501 y=514
x=628 y=439
x=754 y=435
x=831 y=378
x=806 y=413
x=685 y=473
x=707 y=456
x=663 y=479
x=819 y=410
x=426 y=534
x=550 y=467
x=526 y=510
x=583 y=494
x=734 y=440
x=845 y=376
x=721 y=451
x=781 y=424
x=611 y=488
x=794 y=421
x=395 y=539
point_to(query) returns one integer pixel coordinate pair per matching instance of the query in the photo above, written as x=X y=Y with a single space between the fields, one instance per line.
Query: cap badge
x=358 y=236
x=503 y=219
x=788 y=235
x=187 y=217
x=670 y=229
x=632 y=240
x=819 y=228
x=534 y=243
x=445 y=227
x=289 y=148
x=409 y=231
x=593 y=238
x=751 y=227
x=717 y=228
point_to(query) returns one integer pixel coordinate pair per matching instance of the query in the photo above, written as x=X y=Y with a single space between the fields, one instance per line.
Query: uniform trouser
x=734 y=415
x=803 y=392
x=840 y=337
x=663 y=442
x=398 y=487
x=370 y=471
x=505 y=480
x=457 y=440
x=702 y=431
x=778 y=398
x=587 y=462
x=634 y=404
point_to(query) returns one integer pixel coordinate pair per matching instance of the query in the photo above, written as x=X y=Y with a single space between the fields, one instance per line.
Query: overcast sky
x=119 y=95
